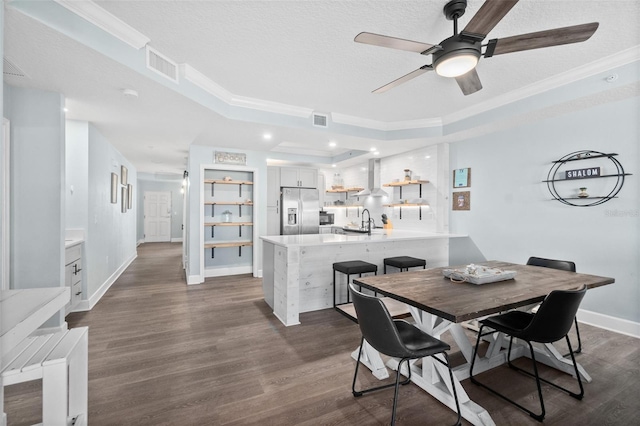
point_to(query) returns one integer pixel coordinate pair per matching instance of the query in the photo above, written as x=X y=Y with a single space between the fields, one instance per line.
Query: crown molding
x=385 y=125
x=205 y=83
x=596 y=67
x=99 y=17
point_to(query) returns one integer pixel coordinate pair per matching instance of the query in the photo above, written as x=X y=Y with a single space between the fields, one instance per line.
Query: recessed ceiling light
x=427 y=156
x=332 y=144
x=333 y=165
x=373 y=149
x=267 y=136
x=130 y=93
x=376 y=153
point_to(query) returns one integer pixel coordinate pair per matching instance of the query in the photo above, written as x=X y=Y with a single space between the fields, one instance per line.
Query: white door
x=157 y=216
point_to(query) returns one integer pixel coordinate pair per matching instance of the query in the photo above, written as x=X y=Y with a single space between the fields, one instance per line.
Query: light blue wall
x=77 y=175
x=37 y=191
x=111 y=234
x=148 y=182
x=513 y=215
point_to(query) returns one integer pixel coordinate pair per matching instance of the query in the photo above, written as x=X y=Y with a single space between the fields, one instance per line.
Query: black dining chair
x=563 y=265
x=549 y=324
x=395 y=338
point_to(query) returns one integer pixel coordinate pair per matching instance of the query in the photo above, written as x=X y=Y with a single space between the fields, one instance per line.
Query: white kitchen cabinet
x=295 y=177
x=73 y=275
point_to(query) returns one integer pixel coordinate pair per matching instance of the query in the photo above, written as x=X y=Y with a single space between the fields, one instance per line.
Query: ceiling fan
x=458 y=55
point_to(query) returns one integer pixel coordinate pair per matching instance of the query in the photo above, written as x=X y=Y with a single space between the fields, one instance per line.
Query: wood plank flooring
x=164 y=353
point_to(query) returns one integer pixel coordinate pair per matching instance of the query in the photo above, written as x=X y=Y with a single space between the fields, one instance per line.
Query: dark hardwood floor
x=164 y=353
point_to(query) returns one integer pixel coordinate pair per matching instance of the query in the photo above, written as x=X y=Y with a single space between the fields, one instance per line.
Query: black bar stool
x=404 y=263
x=349 y=268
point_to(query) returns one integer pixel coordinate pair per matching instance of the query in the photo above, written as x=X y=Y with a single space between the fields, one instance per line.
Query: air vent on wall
x=9 y=68
x=320 y=120
x=162 y=65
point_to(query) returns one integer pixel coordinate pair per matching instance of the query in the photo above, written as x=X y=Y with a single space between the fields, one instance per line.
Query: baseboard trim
x=87 y=305
x=607 y=322
x=221 y=272
x=176 y=240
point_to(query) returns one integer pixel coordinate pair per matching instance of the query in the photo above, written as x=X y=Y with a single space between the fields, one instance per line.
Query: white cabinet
x=273 y=201
x=298 y=177
x=73 y=275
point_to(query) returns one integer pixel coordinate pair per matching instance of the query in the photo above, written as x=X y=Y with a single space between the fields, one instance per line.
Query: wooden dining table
x=439 y=305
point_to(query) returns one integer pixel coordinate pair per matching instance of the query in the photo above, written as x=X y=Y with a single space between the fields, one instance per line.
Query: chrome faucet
x=368 y=220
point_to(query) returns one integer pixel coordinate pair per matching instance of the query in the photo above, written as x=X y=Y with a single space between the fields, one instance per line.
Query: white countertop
x=377 y=235
x=70 y=242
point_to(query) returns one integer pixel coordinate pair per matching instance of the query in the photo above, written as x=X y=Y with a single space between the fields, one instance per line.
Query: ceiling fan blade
x=548 y=38
x=403 y=79
x=470 y=82
x=487 y=17
x=392 y=42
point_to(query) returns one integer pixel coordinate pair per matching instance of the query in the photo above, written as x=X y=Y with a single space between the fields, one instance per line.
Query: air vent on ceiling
x=9 y=68
x=161 y=64
x=320 y=120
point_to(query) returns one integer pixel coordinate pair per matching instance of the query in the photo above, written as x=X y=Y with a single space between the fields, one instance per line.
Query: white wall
x=425 y=163
x=513 y=215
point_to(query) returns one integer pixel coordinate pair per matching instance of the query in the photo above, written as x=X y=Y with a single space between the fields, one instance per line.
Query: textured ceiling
x=299 y=53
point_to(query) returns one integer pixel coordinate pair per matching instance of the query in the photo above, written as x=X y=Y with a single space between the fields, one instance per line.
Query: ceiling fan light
x=457 y=64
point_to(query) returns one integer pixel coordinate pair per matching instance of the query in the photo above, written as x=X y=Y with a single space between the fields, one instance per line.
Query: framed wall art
x=129 y=196
x=461 y=200
x=462 y=178
x=124 y=174
x=124 y=199
x=114 y=188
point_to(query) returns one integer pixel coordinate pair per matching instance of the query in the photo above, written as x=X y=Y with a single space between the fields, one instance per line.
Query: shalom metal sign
x=589 y=172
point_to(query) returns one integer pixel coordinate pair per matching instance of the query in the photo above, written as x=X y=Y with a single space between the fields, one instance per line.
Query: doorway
x=157 y=216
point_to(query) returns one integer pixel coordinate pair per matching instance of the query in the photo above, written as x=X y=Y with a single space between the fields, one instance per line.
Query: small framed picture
x=124 y=199
x=124 y=174
x=129 y=196
x=462 y=178
x=461 y=200
x=114 y=188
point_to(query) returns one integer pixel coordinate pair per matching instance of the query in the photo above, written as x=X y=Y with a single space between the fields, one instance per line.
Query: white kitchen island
x=298 y=269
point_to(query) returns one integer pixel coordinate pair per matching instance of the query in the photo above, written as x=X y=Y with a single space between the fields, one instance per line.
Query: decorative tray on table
x=476 y=274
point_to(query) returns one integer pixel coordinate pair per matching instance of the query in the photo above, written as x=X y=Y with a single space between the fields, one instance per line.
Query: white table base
x=433 y=377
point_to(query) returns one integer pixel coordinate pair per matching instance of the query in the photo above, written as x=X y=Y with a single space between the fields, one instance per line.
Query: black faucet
x=368 y=220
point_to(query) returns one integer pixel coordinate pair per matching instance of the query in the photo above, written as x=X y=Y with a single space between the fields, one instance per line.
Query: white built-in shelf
x=406 y=182
x=229 y=182
x=342 y=190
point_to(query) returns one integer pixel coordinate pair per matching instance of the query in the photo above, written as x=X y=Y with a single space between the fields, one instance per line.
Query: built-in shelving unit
x=226 y=228
x=613 y=190
x=401 y=204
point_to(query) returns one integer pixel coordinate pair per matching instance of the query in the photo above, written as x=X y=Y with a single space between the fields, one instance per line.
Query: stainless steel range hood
x=373 y=189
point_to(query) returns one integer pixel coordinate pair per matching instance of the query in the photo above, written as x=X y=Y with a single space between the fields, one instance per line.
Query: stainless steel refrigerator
x=300 y=211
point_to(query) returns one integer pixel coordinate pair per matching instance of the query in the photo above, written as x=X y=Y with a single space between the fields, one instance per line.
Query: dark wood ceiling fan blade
x=487 y=17
x=392 y=42
x=470 y=82
x=548 y=38
x=404 y=79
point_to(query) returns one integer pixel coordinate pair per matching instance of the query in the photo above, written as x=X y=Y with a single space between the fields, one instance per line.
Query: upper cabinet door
x=308 y=178
x=298 y=177
x=289 y=177
x=273 y=187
